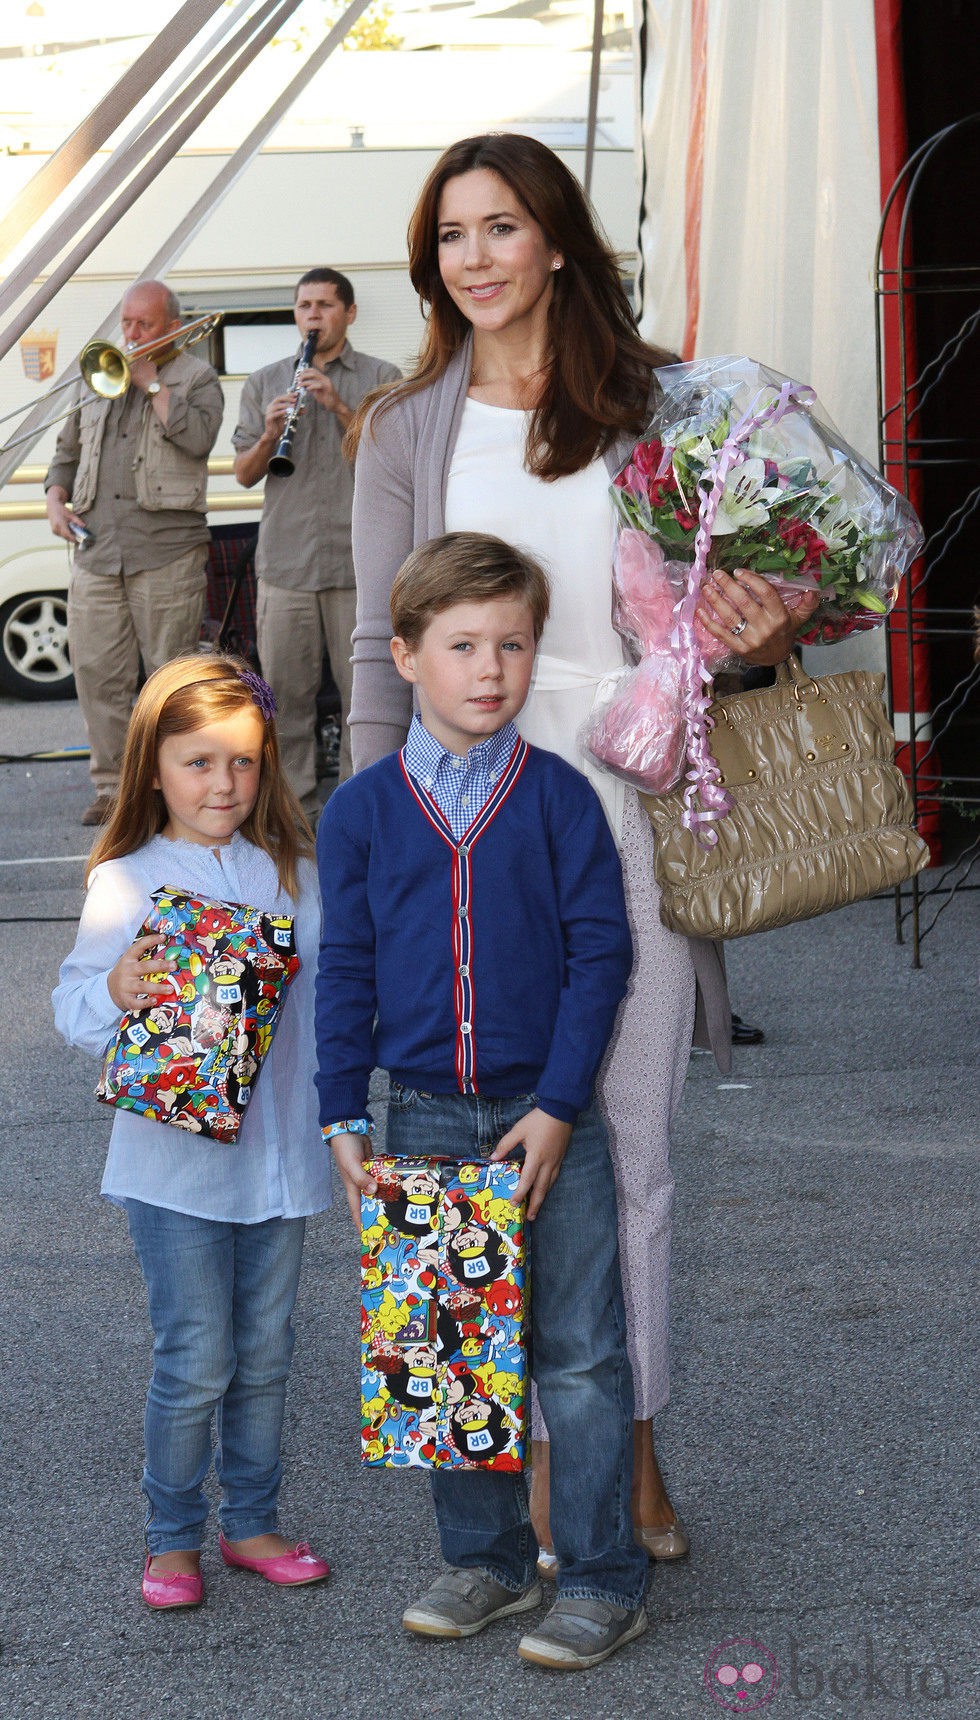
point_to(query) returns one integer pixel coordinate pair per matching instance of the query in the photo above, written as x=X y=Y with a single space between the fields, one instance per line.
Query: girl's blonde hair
x=188 y=693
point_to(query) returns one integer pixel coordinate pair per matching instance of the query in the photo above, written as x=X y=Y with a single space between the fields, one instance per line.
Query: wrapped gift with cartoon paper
x=194 y=1062
x=442 y=1316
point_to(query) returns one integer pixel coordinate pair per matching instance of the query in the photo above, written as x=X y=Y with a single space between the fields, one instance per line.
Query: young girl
x=218 y=1228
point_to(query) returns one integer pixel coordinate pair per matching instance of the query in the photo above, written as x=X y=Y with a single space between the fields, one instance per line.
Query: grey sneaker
x=460 y=1603
x=579 y=1633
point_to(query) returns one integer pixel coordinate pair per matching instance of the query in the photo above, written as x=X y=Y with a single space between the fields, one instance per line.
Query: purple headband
x=261 y=692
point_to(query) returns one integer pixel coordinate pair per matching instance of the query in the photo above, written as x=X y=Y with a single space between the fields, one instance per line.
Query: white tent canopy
x=761 y=198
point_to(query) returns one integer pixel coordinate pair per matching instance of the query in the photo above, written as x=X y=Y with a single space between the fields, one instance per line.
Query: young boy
x=476 y=946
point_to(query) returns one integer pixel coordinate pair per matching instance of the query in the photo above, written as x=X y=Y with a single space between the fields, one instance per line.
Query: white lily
x=834 y=520
x=746 y=499
x=690 y=459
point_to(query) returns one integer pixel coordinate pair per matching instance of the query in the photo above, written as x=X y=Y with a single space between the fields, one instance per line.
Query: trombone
x=105 y=370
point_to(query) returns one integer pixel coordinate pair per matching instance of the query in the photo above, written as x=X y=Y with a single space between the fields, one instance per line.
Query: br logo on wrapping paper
x=741 y=1675
x=442 y=1316
x=193 y=1063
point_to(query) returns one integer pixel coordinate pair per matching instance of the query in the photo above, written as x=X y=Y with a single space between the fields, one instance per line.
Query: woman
x=531 y=385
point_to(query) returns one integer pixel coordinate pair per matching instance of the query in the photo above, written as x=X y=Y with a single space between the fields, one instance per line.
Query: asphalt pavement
x=819 y=1442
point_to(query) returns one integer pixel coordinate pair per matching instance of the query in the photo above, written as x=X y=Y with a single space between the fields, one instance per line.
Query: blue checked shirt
x=459 y=786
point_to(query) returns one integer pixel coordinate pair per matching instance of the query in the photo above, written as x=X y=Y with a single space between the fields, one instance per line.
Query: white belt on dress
x=559 y=675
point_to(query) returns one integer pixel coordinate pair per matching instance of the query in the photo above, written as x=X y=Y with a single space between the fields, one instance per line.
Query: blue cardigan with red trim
x=490 y=965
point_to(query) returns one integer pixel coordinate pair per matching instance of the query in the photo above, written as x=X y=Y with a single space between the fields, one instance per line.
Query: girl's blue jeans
x=578 y=1360
x=221 y=1298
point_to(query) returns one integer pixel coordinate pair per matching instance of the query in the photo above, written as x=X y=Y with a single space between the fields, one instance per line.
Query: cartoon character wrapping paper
x=194 y=1062
x=443 y=1299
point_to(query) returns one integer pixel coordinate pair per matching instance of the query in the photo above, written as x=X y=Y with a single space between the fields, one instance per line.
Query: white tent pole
x=71 y=220
x=196 y=218
x=60 y=168
x=155 y=148
x=593 y=111
x=233 y=169
x=154 y=166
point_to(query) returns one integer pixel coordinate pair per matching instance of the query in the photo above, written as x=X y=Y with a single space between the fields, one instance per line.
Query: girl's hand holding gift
x=138 y=980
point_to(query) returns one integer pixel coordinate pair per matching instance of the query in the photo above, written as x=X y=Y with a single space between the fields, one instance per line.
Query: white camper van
x=299 y=204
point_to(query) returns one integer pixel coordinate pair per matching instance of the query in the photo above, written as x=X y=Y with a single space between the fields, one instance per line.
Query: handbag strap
x=703 y=776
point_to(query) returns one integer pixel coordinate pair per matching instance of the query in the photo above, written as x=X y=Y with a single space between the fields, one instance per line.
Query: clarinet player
x=304 y=568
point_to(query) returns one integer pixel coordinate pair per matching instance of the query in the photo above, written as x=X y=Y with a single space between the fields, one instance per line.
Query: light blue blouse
x=279 y=1166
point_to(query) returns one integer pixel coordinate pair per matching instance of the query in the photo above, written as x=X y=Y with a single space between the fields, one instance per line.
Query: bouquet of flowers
x=739 y=468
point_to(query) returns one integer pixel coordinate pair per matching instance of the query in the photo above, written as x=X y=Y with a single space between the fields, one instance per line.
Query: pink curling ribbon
x=703 y=775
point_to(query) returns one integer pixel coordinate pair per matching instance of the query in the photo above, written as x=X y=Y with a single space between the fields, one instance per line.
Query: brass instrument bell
x=105 y=369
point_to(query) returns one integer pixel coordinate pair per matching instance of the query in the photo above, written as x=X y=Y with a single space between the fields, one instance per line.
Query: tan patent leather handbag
x=822 y=815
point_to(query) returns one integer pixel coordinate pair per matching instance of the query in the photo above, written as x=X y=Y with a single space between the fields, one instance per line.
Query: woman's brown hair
x=598 y=384
x=186 y=694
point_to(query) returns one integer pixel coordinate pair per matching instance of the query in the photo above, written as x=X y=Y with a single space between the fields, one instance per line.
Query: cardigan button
x=464 y=972
x=465 y=1027
x=464 y=848
x=462 y=913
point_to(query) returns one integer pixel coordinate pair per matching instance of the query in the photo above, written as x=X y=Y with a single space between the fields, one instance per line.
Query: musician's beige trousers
x=113 y=620
x=293 y=629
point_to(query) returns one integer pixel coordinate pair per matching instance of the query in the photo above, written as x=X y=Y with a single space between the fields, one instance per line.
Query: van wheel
x=34 y=661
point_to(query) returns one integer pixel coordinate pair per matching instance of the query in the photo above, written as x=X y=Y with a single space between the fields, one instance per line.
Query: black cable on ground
x=58 y=755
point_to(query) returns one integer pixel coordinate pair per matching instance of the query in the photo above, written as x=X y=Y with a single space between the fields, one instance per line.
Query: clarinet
x=282 y=462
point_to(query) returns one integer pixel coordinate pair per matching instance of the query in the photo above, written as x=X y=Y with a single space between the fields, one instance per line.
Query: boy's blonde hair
x=464 y=567
x=186 y=694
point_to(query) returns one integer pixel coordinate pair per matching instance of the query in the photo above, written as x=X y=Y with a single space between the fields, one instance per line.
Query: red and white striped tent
x=771 y=132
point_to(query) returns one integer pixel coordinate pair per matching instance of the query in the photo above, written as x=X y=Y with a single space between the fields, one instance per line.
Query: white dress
x=568 y=526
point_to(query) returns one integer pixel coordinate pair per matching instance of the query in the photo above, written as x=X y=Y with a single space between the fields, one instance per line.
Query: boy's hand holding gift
x=545 y=1140
x=746 y=524
x=348 y=1152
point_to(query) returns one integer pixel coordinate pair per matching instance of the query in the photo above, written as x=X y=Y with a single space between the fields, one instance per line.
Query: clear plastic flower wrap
x=799 y=506
x=639 y=732
x=739 y=468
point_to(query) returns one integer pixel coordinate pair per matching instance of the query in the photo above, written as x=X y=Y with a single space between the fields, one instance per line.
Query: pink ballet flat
x=166 y=1589
x=292 y=1569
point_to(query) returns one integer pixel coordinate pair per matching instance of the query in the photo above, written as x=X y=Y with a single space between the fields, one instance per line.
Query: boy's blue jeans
x=578 y=1360
x=221 y=1299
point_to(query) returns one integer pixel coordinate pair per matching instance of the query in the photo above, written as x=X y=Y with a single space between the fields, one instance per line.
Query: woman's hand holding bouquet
x=745 y=523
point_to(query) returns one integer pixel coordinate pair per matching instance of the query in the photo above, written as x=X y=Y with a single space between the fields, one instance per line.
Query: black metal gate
x=928 y=325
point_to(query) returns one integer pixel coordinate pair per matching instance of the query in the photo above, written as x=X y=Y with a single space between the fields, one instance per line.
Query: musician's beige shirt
x=129 y=538
x=304 y=537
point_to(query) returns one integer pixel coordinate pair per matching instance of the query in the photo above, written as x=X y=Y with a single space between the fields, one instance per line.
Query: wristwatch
x=153 y=387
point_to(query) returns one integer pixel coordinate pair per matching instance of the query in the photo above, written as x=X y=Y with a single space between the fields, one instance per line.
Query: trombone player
x=132 y=471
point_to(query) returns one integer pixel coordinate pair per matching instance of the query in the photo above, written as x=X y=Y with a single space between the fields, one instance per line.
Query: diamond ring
x=740 y=628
